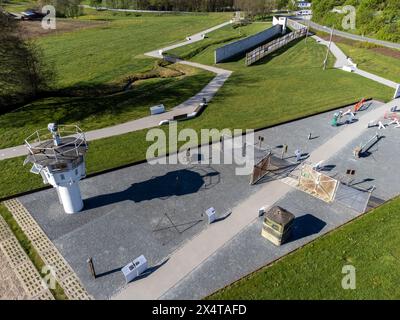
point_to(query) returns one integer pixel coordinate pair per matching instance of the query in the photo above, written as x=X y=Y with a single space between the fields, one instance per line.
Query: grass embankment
x=94 y=112
x=288 y=86
x=384 y=62
x=370 y=59
x=58 y=292
x=370 y=244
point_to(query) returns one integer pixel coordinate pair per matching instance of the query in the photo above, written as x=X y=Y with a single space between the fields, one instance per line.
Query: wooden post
x=308 y=29
x=284 y=150
x=91 y=267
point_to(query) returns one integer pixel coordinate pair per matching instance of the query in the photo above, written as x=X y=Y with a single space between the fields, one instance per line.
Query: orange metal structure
x=358 y=106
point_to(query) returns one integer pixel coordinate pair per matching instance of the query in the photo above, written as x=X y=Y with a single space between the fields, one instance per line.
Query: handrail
x=64 y=131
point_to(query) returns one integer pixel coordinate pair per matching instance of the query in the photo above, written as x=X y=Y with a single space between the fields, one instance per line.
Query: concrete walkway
x=186 y=259
x=187 y=107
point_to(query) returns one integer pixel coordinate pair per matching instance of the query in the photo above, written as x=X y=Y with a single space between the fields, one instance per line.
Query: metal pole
x=329 y=49
x=308 y=29
x=91 y=267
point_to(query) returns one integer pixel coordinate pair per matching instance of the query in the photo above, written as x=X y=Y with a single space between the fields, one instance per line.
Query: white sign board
x=157 y=109
x=397 y=93
x=211 y=214
x=135 y=268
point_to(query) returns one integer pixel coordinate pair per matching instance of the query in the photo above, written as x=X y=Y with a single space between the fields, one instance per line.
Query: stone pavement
x=19 y=279
x=190 y=256
x=47 y=252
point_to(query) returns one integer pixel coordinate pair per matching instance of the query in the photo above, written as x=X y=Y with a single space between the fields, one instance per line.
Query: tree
x=64 y=8
x=23 y=73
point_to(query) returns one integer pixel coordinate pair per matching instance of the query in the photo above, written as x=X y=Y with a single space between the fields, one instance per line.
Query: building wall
x=242 y=46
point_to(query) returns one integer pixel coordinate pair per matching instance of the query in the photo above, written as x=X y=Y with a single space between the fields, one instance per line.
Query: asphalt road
x=351 y=36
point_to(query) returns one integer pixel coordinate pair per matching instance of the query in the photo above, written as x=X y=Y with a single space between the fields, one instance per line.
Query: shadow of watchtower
x=175 y=183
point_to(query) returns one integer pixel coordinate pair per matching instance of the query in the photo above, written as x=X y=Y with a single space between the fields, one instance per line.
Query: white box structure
x=397 y=93
x=135 y=268
x=211 y=214
x=349 y=68
x=157 y=109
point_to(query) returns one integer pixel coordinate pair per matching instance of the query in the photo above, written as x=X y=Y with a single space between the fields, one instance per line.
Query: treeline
x=376 y=18
x=251 y=6
x=64 y=8
x=23 y=73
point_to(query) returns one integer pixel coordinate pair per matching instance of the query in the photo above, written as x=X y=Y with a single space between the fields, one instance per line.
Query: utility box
x=277 y=225
x=157 y=109
x=211 y=214
x=135 y=268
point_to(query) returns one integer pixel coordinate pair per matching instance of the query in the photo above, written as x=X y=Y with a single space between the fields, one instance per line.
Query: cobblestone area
x=19 y=279
x=64 y=274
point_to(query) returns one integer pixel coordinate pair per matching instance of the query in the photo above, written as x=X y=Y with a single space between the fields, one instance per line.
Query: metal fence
x=266 y=49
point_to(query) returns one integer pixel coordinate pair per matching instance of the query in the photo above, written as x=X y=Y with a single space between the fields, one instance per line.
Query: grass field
x=289 y=86
x=372 y=61
x=90 y=63
x=93 y=112
x=115 y=50
x=378 y=60
x=370 y=244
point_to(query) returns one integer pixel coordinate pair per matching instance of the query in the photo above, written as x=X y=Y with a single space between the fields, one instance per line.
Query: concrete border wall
x=242 y=46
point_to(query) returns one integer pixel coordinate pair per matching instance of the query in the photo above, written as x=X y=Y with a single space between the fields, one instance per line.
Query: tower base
x=70 y=197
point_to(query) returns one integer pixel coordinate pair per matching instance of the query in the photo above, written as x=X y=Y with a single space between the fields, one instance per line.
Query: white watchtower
x=58 y=155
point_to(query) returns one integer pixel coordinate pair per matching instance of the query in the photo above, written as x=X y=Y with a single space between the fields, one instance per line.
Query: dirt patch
x=382 y=50
x=33 y=29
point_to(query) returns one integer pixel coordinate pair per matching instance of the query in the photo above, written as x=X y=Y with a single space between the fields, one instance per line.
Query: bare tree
x=23 y=71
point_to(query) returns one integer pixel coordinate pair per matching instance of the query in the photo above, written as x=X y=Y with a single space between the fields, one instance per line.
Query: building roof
x=279 y=216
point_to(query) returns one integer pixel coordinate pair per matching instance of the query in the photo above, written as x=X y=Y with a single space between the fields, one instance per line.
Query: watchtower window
x=62 y=177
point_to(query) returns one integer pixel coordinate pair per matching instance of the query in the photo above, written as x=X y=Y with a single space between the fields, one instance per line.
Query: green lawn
x=115 y=50
x=378 y=60
x=289 y=86
x=374 y=62
x=285 y=86
x=90 y=63
x=370 y=244
x=91 y=112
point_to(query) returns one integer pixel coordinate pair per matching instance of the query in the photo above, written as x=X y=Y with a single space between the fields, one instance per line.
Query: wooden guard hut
x=277 y=225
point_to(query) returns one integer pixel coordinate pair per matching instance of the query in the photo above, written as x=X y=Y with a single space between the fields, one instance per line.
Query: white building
x=304 y=4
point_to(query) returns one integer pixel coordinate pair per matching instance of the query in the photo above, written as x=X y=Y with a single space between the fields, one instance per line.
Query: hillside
x=376 y=18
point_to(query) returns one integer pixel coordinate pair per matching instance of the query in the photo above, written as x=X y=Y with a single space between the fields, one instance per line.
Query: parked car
x=32 y=15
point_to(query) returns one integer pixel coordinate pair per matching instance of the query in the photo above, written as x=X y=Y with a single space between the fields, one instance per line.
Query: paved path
x=186 y=107
x=355 y=37
x=190 y=256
